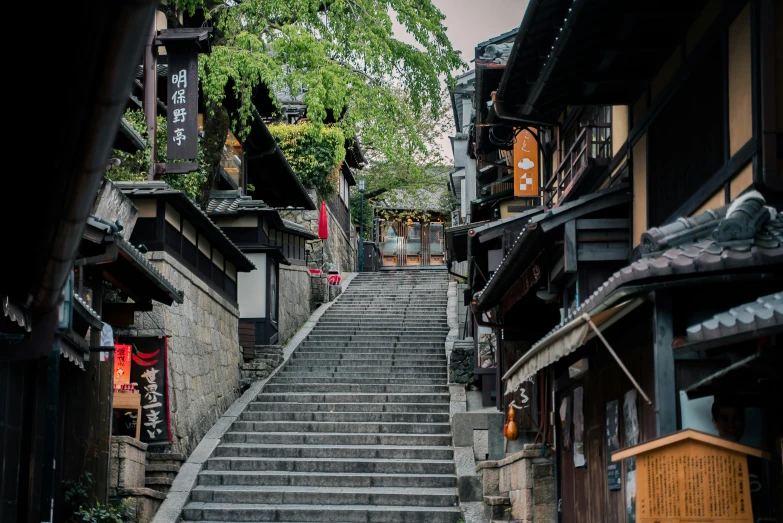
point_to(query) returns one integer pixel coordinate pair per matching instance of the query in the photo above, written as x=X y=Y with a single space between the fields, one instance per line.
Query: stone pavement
x=354 y=427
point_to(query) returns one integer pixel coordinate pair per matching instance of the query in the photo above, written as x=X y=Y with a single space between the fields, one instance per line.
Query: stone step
x=314 y=356
x=341 y=426
x=336 y=438
x=158 y=483
x=309 y=479
x=374 y=344
x=375 y=373
x=167 y=470
x=273 y=388
x=373 y=330
x=347 y=366
x=378 y=466
x=257 y=406
x=393 y=496
x=362 y=381
x=344 y=337
x=401 y=417
x=240 y=450
x=440 y=350
x=197 y=511
x=332 y=397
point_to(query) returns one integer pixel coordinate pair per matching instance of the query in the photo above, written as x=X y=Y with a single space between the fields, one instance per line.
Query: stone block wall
x=295 y=300
x=339 y=248
x=204 y=352
x=522 y=482
x=128 y=463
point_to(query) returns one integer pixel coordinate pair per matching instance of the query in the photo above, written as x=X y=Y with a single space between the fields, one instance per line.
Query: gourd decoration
x=510 y=430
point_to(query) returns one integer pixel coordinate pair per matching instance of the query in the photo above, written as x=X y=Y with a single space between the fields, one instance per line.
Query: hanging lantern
x=323 y=226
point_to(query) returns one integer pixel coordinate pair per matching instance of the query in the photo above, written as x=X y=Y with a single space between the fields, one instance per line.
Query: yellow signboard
x=526 y=172
x=691 y=477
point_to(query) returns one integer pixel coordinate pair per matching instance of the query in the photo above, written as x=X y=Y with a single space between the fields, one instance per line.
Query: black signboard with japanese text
x=182 y=105
x=149 y=371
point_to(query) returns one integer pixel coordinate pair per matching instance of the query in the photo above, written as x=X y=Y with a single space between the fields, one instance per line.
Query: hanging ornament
x=511 y=413
x=512 y=433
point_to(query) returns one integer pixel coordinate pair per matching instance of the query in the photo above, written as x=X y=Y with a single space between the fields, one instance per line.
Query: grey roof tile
x=157 y=188
x=766 y=311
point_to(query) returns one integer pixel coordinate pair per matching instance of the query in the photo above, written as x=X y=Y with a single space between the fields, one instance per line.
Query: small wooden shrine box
x=692 y=477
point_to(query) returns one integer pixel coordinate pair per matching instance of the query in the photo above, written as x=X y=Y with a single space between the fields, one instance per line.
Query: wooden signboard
x=526 y=170
x=692 y=477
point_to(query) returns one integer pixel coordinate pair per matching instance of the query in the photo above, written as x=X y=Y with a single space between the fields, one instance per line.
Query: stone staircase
x=355 y=427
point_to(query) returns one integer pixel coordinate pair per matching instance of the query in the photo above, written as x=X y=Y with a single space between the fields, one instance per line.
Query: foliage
x=84 y=510
x=77 y=492
x=119 y=512
x=134 y=167
x=342 y=59
x=315 y=153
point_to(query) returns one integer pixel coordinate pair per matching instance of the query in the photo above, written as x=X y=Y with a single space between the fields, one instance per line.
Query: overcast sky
x=469 y=22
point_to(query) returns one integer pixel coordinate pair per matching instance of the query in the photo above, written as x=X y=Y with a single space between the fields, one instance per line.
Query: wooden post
x=150 y=103
x=663 y=359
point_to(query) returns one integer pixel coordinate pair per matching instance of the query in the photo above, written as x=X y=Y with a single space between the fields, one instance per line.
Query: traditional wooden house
x=651 y=276
x=267 y=298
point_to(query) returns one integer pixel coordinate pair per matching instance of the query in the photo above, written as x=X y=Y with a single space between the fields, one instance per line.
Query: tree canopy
x=345 y=62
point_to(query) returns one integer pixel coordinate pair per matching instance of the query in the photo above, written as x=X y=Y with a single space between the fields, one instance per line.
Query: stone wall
x=520 y=487
x=339 y=248
x=295 y=300
x=204 y=352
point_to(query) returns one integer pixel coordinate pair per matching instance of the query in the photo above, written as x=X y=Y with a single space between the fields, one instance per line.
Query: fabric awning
x=562 y=342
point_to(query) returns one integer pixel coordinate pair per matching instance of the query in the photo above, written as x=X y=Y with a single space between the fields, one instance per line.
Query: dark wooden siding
x=685 y=145
x=583 y=491
x=247 y=333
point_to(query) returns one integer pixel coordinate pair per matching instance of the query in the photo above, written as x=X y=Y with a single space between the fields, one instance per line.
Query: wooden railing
x=594 y=142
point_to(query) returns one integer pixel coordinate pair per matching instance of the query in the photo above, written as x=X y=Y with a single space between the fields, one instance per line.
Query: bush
x=87 y=510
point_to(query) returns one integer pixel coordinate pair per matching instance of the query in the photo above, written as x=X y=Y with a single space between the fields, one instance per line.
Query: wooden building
x=644 y=297
x=269 y=242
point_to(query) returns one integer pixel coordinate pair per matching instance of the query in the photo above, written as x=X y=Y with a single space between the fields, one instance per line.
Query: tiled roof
x=766 y=311
x=157 y=188
x=89 y=310
x=741 y=235
x=231 y=202
x=534 y=221
x=503 y=221
x=132 y=252
x=297 y=228
x=163 y=283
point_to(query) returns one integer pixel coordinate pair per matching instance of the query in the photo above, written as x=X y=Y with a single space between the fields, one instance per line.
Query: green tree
x=344 y=59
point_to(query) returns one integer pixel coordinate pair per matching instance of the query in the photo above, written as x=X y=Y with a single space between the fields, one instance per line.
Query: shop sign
x=150 y=373
x=182 y=106
x=526 y=171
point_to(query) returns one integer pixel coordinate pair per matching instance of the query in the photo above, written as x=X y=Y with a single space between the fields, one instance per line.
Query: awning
x=563 y=341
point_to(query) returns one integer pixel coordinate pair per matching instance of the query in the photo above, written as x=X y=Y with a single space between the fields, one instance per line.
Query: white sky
x=469 y=22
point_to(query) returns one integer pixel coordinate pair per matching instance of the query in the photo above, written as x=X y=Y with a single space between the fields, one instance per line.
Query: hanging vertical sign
x=526 y=172
x=182 y=105
x=149 y=371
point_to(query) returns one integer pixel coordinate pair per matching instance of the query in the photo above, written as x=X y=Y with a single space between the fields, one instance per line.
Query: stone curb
x=179 y=494
x=464 y=462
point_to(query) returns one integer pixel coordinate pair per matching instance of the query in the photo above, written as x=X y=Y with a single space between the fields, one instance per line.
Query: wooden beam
x=605 y=223
x=569 y=247
x=591 y=253
x=663 y=363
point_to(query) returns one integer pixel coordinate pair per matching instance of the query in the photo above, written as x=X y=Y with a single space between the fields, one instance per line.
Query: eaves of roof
x=295 y=228
x=214 y=234
x=522 y=253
